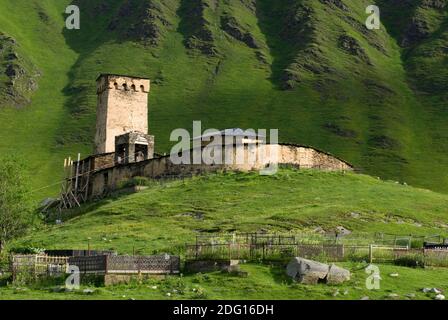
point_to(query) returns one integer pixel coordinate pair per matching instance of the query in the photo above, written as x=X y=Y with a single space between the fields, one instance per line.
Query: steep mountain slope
x=307 y=67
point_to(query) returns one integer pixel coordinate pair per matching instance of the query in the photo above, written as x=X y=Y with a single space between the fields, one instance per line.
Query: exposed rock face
x=232 y=27
x=148 y=24
x=197 y=28
x=434 y=4
x=250 y=4
x=416 y=31
x=18 y=77
x=299 y=29
x=311 y=272
x=352 y=46
x=335 y=4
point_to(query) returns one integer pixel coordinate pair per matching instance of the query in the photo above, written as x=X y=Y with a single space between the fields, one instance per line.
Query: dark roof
x=119 y=75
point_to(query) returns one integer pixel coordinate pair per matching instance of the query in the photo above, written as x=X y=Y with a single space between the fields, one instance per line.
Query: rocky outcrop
x=312 y=272
x=197 y=27
x=434 y=4
x=416 y=31
x=18 y=77
x=335 y=4
x=352 y=47
x=231 y=26
x=144 y=21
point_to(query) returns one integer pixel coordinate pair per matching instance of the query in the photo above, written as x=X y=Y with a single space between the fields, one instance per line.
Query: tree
x=15 y=209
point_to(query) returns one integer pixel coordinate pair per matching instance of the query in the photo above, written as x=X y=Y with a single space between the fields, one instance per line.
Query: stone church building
x=124 y=147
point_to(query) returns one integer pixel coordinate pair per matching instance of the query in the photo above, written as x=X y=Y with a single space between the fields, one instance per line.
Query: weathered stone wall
x=103 y=161
x=122 y=107
x=302 y=157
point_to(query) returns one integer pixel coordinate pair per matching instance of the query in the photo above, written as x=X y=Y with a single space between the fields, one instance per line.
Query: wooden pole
x=77 y=173
x=371 y=253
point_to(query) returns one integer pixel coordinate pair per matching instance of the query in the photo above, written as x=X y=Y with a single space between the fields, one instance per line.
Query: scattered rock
x=319 y=230
x=88 y=291
x=393 y=296
x=341 y=231
x=355 y=215
x=394 y=275
x=439 y=297
x=410 y=295
x=365 y=298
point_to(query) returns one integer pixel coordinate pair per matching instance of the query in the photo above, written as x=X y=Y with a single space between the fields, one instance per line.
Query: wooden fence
x=262 y=251
x=38 y=265
x=327 y=252
x=162 y=264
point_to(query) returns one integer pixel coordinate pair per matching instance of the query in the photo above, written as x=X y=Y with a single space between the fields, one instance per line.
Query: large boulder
x=307 y=271
x=312 y=272
x=337 y=275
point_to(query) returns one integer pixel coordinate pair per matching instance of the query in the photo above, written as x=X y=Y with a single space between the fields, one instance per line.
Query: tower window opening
x=133 y=87
x=142 y=88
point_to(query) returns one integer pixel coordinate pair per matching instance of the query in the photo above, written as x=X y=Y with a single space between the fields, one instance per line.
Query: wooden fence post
x=371 y=253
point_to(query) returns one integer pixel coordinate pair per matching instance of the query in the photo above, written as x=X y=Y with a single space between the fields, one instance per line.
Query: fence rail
x=38 y=265
x=163 y=264
x=328 y=252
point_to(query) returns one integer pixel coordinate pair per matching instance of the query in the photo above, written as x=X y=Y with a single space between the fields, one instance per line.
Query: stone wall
x=109 y=179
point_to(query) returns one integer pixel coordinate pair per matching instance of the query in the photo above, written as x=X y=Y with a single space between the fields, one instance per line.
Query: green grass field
x=263 y=282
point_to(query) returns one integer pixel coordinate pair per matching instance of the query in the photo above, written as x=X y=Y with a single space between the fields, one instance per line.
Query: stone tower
x=122 y=107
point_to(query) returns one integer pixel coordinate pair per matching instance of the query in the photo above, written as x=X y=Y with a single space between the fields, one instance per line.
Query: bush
x=411 y=260
x=27 y=250
x=136 y=181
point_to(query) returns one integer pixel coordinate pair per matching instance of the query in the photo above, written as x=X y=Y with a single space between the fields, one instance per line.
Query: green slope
x=307 y=67
x=165 y=217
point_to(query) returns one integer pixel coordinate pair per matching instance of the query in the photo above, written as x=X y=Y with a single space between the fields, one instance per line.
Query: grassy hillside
x=307 y=67
x=165 y=217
